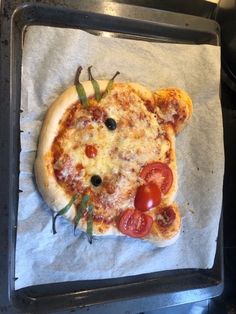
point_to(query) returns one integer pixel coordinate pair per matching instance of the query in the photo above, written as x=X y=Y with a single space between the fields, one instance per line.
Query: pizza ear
x=173 y=106
x=162 y=235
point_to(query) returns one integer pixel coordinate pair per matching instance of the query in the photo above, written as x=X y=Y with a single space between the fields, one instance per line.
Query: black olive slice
x=96 y=180
x=110 y=124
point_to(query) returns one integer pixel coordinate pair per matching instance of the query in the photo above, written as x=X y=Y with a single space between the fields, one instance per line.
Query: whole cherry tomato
x=90 y=151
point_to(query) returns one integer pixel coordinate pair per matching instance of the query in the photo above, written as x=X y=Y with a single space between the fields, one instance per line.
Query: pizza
x=106 y=158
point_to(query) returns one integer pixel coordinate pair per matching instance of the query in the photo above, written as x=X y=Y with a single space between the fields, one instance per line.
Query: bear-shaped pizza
x=106 y=158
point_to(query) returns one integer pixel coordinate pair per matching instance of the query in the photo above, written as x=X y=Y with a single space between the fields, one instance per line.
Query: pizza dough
x=113 y=160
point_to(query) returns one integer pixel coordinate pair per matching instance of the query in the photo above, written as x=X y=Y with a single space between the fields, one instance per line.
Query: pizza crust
x=54 y=194
x=165 y=236
x=173 y=105
x=144 y=93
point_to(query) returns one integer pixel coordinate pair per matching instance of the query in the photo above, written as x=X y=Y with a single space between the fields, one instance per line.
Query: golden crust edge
x=144 y=93
x=186 y=102
x=171 y=233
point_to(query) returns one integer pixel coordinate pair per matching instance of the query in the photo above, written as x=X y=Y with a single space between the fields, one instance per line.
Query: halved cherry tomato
x=166 y=216
x=147 y=196
x=90 y=151
x=159 y=173
x=134 y=223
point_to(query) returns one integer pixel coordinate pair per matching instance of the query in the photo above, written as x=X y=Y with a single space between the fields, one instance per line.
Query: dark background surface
x=226 y=303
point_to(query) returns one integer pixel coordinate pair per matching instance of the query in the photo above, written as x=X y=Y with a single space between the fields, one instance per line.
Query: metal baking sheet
x=133 y=294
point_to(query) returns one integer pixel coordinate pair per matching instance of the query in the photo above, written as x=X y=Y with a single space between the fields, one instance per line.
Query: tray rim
x=213 y=279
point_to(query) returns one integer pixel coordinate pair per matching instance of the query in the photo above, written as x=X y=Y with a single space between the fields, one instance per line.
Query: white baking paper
x=50 y=59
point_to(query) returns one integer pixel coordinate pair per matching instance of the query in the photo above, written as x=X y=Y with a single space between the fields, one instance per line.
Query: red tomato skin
x=135 y=223
x=147 y=196
x=91 y=151
x=148 y=174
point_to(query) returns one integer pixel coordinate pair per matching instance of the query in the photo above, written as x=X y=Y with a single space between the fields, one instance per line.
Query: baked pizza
x=106 y=158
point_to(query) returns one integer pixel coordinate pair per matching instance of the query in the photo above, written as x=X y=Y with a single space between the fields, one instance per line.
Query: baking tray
x=129 y=294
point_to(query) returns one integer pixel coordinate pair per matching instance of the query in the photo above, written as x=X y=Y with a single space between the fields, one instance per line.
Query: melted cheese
x=121 y=153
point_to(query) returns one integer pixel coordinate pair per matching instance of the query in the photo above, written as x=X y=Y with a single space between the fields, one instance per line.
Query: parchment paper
x=50 y=59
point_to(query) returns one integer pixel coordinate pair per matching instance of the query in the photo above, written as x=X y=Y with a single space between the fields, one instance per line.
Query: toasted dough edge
x=185 y=108
x=144 y=93
x=170 y=234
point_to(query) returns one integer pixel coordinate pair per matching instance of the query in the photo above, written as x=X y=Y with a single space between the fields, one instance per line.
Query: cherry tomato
x=166 y=216
x=159 y=173
x=90 y=151
x=147 y=196
x=135 y=223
